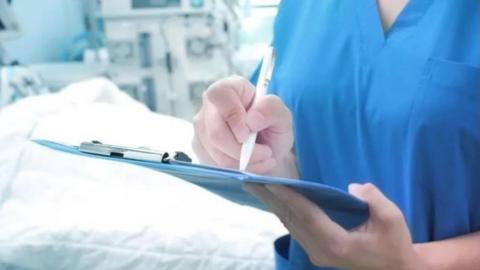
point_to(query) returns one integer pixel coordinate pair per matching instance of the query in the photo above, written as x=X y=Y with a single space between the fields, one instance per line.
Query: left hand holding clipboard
x=383 y=242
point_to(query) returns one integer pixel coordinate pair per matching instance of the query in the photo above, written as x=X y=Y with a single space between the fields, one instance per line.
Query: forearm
x=461 y=252
x=286 y=168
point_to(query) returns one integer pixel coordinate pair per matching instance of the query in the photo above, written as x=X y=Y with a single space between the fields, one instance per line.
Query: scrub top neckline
x=386 y=32
x=373 y=37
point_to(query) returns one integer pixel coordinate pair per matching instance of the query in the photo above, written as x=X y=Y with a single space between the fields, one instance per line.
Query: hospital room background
x=125 y=72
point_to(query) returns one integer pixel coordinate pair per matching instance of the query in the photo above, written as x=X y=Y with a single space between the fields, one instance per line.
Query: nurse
x=378 y=97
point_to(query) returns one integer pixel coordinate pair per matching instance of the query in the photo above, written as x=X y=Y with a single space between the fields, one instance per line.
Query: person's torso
x=400 y=110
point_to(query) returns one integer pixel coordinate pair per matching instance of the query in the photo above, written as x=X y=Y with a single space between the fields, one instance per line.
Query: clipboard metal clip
x=141 y=153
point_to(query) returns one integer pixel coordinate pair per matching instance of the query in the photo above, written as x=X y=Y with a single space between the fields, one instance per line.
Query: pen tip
x=246 y=151
x=242 y=166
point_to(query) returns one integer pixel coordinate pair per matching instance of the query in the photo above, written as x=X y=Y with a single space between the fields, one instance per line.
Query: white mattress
x=59 y=211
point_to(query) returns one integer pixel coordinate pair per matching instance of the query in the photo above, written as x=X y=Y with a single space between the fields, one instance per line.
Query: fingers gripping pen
x=264 y=77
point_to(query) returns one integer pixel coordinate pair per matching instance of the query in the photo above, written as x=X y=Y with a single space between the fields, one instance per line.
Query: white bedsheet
x=59 y=211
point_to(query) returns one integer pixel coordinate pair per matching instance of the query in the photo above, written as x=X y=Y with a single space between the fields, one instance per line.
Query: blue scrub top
x=400 y=110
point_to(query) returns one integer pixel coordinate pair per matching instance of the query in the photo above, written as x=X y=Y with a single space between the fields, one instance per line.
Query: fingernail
x=255 y=120
x=354 y=187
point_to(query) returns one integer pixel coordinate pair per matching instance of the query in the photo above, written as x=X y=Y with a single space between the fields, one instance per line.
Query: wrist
x=416 y=260
x=423 y=257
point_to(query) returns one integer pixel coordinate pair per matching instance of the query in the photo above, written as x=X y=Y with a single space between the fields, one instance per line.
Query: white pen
x=264 y=77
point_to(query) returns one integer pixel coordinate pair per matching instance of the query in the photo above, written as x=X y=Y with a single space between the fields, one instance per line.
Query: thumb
x=381 y=208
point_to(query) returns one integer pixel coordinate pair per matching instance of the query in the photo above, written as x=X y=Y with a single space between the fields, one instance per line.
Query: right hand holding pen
x=227 y=117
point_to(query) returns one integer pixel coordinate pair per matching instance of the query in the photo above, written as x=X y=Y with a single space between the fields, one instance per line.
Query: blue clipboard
x=339 y=205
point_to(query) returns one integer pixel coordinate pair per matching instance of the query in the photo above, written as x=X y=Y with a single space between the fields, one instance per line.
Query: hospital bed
x=59 y=211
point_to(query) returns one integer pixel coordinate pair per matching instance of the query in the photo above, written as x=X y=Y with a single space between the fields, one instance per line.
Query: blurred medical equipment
x=57 y=75
x=256 y=35
x=16 y=82
x=9 y=26
x=166 y=53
